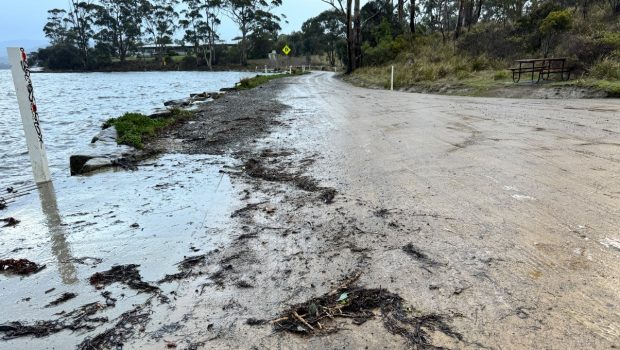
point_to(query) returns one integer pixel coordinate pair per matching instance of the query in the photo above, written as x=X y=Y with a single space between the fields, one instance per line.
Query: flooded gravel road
x=400 y=220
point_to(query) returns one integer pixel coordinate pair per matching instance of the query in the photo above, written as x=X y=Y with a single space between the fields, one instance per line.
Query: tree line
x=365 y=26
x=89 y=33
x=349 y=32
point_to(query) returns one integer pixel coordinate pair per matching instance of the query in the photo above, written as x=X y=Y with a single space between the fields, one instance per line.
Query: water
x=73 y=106
x=172 y=206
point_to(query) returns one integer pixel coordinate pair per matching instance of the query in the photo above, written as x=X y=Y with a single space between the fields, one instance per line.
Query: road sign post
x=29 y=114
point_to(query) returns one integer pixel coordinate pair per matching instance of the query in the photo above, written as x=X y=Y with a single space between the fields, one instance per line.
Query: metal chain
x=33 y=101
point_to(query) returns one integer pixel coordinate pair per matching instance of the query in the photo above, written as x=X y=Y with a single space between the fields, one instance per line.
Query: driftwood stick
x=300 y=319
x=280 y=319
x=349 y=281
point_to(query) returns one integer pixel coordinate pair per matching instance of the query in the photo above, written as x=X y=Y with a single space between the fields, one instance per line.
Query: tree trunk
x=469 y=14
x=350 y=49
x=357 y=21
x=459 y=20
x=401 y=12
x=412 y=17
x=244 y=47
x=477 y=13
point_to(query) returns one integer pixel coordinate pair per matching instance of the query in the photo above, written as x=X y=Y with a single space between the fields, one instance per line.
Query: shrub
x=555 y=23
x=607 y=69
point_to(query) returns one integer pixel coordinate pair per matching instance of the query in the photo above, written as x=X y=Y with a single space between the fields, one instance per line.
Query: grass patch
x=135 y=128
x=251 y=83
x=611 y=87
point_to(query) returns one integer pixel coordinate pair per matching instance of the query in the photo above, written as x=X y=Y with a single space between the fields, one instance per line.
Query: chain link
x=33 y=101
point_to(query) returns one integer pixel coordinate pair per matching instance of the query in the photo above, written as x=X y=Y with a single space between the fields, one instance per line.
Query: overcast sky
x=24 y=19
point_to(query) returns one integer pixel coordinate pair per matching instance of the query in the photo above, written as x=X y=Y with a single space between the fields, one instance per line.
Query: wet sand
x=500 y=216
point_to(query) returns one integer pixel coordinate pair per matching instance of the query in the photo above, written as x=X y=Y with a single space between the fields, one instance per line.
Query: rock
x=161 y=113
x=203 y=95
x=82 y=164
x=106 y=135
x=177 y=103
x=96 y=164
x=76 y=163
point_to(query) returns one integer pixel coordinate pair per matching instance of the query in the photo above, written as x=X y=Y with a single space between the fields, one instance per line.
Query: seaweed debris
x=185 y=267
x=317 y=316
x=418 y=255
x=63 y=298
x=114 y=337
x=75 y=320
x=10 y=222
x=126 y=274
x=21 y=267
x=254 y=168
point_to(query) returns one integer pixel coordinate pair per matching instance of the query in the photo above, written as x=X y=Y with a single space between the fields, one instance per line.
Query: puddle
x=172 y=207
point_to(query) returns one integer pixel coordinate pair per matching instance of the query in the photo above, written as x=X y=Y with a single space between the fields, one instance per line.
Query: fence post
x=29 y=113
x=392 y=80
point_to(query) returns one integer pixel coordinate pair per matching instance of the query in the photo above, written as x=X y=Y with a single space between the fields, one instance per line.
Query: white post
x=265 y=69
x=290 y=70
x=392 y=81
x=29 y=113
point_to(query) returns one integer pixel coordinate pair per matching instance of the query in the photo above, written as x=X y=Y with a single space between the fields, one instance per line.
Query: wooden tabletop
x=529 y=60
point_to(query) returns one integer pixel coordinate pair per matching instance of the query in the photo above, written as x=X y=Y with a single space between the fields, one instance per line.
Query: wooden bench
x=541 y=67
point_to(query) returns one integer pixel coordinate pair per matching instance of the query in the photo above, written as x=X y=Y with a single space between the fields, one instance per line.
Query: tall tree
x=344 y=12
x=120 y=22
x=57 y=26
x=248 y=15
x=200 y=23
x=161 y=22
x=81 y=18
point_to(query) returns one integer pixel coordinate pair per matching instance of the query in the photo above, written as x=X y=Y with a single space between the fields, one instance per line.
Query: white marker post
x=265 y=69
x=30 y=115
x=392 y=81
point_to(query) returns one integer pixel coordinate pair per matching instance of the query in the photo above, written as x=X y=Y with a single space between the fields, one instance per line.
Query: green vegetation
x=251 y=83
x=135 y=128
x=474 y=58
x=96 y=34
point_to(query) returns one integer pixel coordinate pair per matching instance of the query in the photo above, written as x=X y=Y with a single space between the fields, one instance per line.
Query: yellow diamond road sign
x=286 y=50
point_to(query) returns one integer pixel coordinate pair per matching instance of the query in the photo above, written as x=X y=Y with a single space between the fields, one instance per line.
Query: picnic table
x=542 y=67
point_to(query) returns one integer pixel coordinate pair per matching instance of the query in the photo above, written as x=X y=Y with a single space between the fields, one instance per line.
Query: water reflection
x=53 y=221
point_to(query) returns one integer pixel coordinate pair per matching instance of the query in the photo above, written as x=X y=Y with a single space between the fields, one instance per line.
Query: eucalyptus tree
x=81 y=20
x=321 y=34
x=345 y=14
x=250 y=15
x=57 y=27
x=120 y=24
x=200 y=23
x=160 y=17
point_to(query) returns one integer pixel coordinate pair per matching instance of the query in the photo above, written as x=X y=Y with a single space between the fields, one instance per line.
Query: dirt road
x=523 y=198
